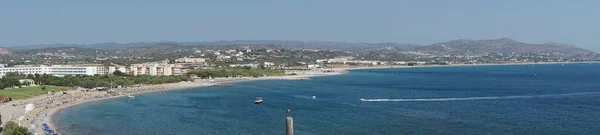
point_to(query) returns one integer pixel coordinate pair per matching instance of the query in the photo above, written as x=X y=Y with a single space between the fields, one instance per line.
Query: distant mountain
x=117 y=46
x=503 y=45
x=175 y=48
x=154 y=49
x=41 y=46
x=312 y=44
x=100 y=46
x=67 y=50
x=5 y=51
x=285 y=44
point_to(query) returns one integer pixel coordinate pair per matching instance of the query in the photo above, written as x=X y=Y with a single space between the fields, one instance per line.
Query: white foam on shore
x=479 y=98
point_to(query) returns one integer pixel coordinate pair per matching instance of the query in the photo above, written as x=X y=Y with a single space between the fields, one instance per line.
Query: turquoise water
x=518 y=99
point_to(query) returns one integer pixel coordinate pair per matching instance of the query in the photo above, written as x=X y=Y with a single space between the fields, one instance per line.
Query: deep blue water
x=551 y=99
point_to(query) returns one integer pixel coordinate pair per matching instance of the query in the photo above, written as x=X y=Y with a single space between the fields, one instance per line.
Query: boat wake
x=478 y=98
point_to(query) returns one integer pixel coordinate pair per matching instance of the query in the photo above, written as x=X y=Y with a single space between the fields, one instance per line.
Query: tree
x=37 y=77
x=14 y=75
x=30 y=76
x=44 y=88
x=11 y=128
x=119 y=73
x=46 y=79
x=17 y=131
x=11 y=79
x=2 y=85
x=10 y=125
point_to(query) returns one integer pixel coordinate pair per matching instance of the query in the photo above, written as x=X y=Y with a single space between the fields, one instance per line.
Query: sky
x=27 y=22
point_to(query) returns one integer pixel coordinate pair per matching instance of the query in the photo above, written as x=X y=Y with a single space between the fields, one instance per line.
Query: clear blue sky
x=26 y=22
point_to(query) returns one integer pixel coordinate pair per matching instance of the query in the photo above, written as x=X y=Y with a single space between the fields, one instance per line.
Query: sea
x=507 y=99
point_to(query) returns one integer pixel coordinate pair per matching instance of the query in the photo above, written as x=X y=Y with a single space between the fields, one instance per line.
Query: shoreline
x=461 y=65
x=51 y=112
x=38 y=119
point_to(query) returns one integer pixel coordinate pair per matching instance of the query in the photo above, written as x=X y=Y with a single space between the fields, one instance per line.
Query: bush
x=11 y=128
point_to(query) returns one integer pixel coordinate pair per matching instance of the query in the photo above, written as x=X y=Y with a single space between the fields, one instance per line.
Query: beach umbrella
x=29 y=107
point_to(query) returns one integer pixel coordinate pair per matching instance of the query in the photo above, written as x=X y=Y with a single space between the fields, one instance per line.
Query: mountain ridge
x=503 y=45
x=5 y=51
x=454 y=46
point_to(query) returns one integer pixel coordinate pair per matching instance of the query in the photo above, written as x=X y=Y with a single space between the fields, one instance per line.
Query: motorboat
x=258 y=100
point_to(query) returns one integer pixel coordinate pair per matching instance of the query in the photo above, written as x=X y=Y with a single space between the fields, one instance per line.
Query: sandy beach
x=47 y=105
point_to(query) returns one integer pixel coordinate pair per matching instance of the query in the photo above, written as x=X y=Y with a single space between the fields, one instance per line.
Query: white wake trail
x=477 y=98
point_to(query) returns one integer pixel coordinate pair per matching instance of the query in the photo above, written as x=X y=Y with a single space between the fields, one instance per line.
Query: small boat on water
x=130 y=96
x=258 y=100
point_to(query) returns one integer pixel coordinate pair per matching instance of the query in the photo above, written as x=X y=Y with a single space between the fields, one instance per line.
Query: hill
x=345 y=46
x=5 y=51
x=285 y=44
x=503 y=45
x=99 y=46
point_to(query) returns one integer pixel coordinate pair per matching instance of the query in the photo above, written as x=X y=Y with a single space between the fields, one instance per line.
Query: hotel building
x=156 y=69
x=160 y=68
x=56 y=70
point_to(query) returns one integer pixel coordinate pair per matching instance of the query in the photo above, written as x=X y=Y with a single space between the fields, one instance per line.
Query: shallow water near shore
x=513 y=99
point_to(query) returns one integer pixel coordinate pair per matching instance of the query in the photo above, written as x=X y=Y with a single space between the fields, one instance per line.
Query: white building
x=157 y=69
x=114 y=67
x=338 y=60
x=268 y=64
x=253 y=66
x=400 y=62
x=230 y=51
x=27 y=82
x=312 y=66
x=190 y=60
x=56 y=70
x=321 y=61
x=99 y=67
